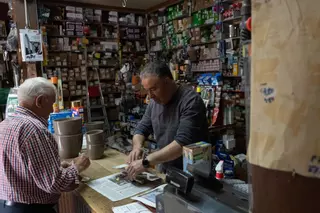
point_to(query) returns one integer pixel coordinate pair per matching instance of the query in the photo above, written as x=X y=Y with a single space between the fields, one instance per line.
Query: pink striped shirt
x=30 y=170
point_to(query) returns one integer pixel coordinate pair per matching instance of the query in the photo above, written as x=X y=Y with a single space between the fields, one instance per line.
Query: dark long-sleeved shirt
x=30 y=170
x=183 y=119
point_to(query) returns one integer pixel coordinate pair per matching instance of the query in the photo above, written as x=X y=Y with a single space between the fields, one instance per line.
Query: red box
x=94 y=91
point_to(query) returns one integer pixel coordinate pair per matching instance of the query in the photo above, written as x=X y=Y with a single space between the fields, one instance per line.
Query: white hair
x=34 y=87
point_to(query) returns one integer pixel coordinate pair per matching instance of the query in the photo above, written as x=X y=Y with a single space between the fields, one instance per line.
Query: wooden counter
x=85 y=199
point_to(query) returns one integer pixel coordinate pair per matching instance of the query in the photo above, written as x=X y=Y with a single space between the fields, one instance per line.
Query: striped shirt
x=30 y=170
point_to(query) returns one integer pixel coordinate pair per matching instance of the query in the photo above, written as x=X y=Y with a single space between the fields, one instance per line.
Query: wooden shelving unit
x=110 y=37
x=221 y=41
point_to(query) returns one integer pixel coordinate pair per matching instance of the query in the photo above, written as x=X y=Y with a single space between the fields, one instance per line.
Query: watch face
x=145 y=163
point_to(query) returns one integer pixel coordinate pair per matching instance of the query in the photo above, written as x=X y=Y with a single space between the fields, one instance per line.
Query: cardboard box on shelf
x=69 y=33
x=63 y=57
x=79 y=17
x=70 y=9
x=113 y=13
x=97 y=18
x=193 y=153
x=70 y=16
x=79 y=10
x=98 y=12
x=89 y=18
x=60 y=44
x=79 y=27
x=70 y=26
x=65 y=86
x=66 y=43
x=88 y=11
x=197 y=39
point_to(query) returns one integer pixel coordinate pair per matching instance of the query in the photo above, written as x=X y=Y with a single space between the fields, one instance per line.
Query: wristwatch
x=145 y=163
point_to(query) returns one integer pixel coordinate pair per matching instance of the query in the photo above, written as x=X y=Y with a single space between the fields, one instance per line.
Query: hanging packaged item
x=12 y=102
x=12 y=39
x=31 y=45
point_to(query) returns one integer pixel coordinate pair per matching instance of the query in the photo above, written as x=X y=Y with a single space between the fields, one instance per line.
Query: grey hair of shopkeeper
x=157 y=68
x=34 y=87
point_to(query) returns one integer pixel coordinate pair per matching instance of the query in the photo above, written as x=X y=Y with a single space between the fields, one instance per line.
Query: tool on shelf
x=95 y=91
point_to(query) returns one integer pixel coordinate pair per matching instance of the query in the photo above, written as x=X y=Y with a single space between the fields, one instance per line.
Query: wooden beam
x=93 y=6
x=284 y=147
x=162 y=5
x=28 y=69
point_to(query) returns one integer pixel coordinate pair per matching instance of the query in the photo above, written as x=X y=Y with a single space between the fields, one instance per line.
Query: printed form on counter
x=115 y=188
x=149 y=198
x=131 y=208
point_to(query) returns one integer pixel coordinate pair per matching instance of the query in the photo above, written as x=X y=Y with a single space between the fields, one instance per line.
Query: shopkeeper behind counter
x=176 y=116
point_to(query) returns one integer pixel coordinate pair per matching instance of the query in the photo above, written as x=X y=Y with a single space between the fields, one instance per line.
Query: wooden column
x=29 y=69
x=284 y=147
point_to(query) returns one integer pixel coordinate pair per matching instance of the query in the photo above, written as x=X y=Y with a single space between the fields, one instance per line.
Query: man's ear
x=39 y=101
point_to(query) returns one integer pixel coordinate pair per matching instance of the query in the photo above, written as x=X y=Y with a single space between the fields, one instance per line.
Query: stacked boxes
x=92 y=15
x=113 y=17
x=196 y=152
x=75 y=26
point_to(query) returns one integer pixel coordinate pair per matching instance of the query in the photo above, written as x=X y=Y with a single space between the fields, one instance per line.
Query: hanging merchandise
x=30 y=41
x=16 y=74
x=44 y=14
x=216 y=105
x=12 y=102
x=12 y=39
x=10 y=7
x=31 y=45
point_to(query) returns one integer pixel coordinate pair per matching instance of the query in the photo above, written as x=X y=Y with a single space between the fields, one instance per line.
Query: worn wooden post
x=29 y=69
x=284 y=147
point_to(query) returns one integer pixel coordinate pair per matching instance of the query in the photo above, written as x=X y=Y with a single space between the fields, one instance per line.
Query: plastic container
x=69 y=145
x=95 y=125
x=96 y=151
x=68 y=126
x=95 y=137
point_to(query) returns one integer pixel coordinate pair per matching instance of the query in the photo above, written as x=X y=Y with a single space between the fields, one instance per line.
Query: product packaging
x=196 y=152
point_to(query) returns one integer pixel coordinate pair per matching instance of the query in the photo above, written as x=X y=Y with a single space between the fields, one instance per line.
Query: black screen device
x=179 y=179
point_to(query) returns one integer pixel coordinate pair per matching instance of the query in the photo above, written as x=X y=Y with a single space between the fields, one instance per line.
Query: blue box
x=55 y=116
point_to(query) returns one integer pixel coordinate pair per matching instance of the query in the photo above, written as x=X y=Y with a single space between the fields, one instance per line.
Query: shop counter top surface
x=98 y=169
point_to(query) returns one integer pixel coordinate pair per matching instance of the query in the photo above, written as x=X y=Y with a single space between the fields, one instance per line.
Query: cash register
x=201 y=192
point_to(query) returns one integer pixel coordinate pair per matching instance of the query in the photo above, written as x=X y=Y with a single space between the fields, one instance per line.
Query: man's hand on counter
x=81 y=163
x=135 y=168
x=134 y=155
x=65 y=164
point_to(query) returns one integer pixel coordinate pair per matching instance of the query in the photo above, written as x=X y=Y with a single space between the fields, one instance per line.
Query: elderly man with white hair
x=31 y=175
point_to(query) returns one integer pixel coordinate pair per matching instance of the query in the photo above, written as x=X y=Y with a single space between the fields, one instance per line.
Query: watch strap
x=145 y=162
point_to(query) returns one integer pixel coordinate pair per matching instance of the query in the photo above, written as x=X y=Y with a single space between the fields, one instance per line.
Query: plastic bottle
x=219 y=170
